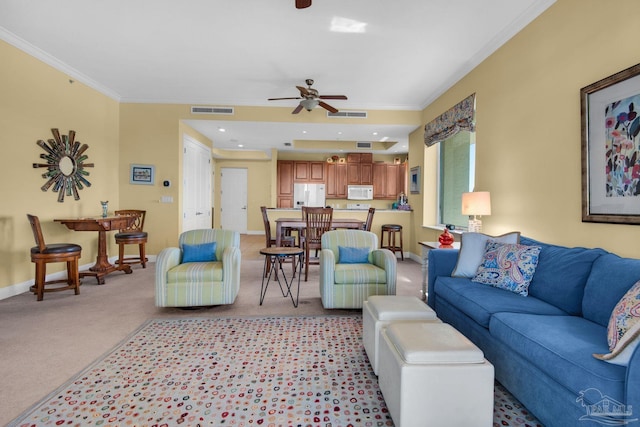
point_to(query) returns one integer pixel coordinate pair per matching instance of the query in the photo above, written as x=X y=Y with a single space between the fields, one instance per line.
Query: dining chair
x=42 y=254
x=271 y=241
x=367 y=224
x=318 y=222
x=132 y=235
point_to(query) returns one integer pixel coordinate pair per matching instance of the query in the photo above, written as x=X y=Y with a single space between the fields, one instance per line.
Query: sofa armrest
x=632 y=391
x=441 y=262
x=165 y=261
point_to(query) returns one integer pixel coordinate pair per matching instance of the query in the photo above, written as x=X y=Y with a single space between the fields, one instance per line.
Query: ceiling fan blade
x=301 y=4
x=332 y=97
x=277 y=99
x=303 y=91
x=297 y=109
x=327 y=107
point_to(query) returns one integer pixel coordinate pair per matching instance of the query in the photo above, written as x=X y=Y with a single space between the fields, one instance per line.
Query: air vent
x=287 y=144
x=212 y=110
x=350 y=114
x=364 y=145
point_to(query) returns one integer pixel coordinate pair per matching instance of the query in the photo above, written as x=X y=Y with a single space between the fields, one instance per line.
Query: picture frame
x=610 y=128
x=142 y=174
x=414 y=180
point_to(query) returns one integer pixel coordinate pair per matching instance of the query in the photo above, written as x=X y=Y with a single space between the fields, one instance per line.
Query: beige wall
x=528 y=140
x=528 y=123
x=35 y=98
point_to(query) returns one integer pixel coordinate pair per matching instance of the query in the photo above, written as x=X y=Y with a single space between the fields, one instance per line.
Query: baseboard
x=20 y=288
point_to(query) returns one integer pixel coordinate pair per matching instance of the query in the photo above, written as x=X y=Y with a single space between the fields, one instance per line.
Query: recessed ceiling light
x=375 y=133
x=240 y=145
x=346 y=25
x=222 y=130
x=304 y=131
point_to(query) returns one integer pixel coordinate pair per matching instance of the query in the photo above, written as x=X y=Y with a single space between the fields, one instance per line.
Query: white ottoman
x=432 y=375
x=380 y=310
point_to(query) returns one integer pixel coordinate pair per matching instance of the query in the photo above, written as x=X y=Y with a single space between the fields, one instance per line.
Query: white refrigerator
x=308 y=195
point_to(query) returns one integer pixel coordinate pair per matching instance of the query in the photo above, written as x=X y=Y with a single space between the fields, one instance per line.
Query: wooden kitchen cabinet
x=389 y=180
x=336 y=181
x=285 y=183
x=300 y=171
x=316 y=171
x=360 y=168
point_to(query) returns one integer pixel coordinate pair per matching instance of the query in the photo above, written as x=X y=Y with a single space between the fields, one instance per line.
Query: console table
x=426 y=247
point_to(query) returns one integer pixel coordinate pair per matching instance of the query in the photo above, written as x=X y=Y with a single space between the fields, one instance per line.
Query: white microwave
x=360 y=192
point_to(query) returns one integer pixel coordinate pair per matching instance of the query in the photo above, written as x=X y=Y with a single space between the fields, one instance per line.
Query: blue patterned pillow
x=508 y=266
x=205 y=252
x=349 y=255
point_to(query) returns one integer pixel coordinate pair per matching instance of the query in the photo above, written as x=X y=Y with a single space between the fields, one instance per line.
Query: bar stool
x=42 y=254
x=392 y=230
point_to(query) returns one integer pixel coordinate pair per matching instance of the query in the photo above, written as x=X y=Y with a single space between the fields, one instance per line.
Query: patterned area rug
x=273 y=371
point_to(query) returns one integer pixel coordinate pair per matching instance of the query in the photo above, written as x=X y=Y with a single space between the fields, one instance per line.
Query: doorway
x=196 y=185
x=233 y=199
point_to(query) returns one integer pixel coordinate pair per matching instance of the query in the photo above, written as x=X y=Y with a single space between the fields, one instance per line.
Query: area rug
x=249 y=371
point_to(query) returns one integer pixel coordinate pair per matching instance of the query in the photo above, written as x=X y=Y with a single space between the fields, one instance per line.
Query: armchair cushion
x=202 y=272
x=204 y=252
x=356 y=274
x=353 y=255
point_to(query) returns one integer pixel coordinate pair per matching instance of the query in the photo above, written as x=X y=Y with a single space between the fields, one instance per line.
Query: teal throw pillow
x=508 y=266
x=205 y=252
x=349 y=255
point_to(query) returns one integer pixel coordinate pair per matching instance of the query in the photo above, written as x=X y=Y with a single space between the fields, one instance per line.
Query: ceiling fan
x=311 y=99
x=301 y=4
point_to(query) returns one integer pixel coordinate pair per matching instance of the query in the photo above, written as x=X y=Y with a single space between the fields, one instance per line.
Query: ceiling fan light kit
x=301 y=4
x=311 y=98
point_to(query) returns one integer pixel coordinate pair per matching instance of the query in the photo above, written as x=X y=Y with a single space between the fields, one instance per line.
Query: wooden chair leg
x=73 y=276
x=41 y=271
x=120 y=253
x=306 y=263
x=143 y=258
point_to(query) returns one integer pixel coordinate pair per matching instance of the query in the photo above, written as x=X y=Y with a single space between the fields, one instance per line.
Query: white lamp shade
x=476 y=203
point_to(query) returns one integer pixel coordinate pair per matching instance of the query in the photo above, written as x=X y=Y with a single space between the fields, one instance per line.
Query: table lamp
x=474 y=205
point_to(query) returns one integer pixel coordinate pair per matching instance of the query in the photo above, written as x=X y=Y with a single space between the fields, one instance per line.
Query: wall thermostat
x=166 y=183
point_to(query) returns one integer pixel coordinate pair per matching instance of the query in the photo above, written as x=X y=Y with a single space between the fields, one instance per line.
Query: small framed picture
x=414 y=180
x=142 y=174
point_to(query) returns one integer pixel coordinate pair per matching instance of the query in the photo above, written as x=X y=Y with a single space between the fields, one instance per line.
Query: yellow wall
x=528 y=123
x=528 y=140
x=35 y=98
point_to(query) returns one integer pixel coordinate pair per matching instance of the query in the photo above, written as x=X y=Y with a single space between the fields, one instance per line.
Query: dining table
x=102 y=267
x=300 y=224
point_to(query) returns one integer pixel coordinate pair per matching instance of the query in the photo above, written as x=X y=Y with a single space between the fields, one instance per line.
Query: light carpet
x=235 y=371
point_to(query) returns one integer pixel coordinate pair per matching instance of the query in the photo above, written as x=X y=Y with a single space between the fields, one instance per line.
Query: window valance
x=458 y=118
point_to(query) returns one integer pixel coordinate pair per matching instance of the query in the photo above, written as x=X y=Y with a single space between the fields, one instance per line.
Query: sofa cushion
x=623 y=331
x=472 y=247
x=352 y=274
x=561 y=274
x=561 y=346
x=480 y=302
x=610 y=278
x=508 y=266
x=196 y=272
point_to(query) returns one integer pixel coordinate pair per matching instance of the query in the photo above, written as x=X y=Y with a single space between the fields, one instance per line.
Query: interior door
x=196 y=185
x=233 y=199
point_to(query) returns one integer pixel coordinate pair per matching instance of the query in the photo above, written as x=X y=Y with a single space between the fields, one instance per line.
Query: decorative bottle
x=105 y=208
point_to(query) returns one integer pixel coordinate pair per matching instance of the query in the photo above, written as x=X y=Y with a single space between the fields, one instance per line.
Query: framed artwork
x=142 y=174
x=611 y=148
x=414 y=180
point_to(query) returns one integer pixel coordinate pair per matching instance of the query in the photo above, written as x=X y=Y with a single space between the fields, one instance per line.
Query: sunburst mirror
x=65 y=163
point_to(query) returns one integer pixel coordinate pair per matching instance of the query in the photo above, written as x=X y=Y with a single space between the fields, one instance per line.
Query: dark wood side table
x=276 y=255
x=102 y=267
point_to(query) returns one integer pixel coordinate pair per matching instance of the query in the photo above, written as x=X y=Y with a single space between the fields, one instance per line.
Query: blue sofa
x=541 y=345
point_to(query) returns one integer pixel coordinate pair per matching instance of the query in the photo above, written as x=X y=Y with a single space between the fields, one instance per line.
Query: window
x=456 y=168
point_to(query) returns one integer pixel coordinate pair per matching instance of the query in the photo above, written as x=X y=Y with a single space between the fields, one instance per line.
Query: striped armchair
x=348 y=285
x=194 y=284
